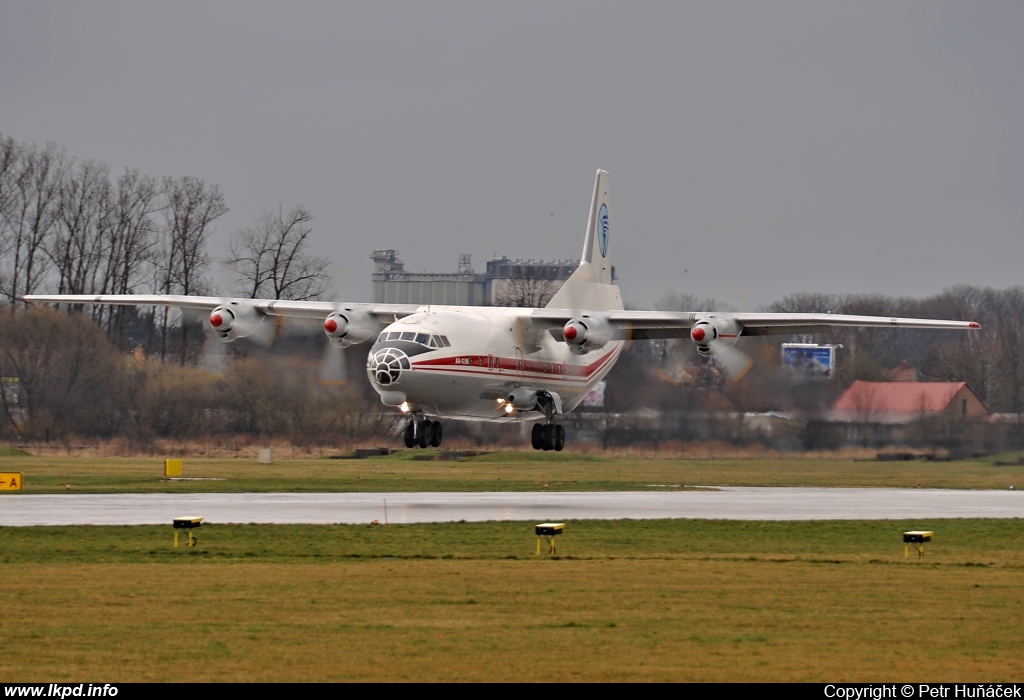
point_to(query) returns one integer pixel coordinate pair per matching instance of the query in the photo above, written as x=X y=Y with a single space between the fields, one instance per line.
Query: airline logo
x=602 y=230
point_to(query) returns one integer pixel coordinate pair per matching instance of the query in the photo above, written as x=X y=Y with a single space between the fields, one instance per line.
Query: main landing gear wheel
x=423 y=433
x=559 y=438
x=537 y=436
x=548 y=437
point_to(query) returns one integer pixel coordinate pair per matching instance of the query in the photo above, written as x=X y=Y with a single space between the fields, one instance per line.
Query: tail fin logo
x=602 y=230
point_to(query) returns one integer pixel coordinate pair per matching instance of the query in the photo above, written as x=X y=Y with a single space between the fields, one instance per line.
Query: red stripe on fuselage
x=479 y=364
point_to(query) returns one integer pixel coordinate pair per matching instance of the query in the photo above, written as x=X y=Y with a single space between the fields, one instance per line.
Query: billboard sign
x=808 y=361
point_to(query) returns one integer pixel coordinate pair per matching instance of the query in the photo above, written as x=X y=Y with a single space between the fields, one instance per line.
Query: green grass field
x=507 y=471
x=624 y=600
x=662 y=600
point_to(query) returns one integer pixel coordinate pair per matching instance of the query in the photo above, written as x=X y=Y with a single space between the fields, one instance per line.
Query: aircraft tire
x=423 y=434
x=549 y=437
x=559 y=438
x=537 y=436
x=410 y=435
x=436 y=433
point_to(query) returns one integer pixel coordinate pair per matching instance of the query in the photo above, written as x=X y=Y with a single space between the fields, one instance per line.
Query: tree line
x=991 y=360
x=70 y=226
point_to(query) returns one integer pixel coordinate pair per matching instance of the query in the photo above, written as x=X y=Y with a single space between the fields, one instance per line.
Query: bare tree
x=10 y=162
x=66 y=369
x=192 y=207
x=29 y=213
x=134 y=201
x=272 y=259
x=76 y=244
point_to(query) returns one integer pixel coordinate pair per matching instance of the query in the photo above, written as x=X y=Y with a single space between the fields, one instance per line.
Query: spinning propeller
x=344 y=327
x=715 y=337
x=333 y=369
x=227 y=323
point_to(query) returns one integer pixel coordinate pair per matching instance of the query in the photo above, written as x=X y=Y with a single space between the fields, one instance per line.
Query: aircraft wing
x=317 y=310
x=639 y=325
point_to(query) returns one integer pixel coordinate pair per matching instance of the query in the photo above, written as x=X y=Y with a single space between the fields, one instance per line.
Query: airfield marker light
x=188 y=522
x=548 y=531
x=918 y=537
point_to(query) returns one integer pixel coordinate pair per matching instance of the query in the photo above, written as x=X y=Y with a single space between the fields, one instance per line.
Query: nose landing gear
x=423 y=432
x=548 y=437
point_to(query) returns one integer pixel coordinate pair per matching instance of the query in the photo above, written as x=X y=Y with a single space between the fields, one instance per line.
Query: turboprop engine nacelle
x=231 y=321
x=345 y=328
x=706 y=331
x=587 y=333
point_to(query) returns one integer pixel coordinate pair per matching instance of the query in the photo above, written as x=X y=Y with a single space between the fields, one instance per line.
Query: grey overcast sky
x=756 y=149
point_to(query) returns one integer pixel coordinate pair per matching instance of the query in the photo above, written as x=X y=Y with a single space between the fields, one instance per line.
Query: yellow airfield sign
x=10 y=481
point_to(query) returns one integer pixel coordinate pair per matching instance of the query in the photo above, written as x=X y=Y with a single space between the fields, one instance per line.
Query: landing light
x=404 y=408
x=501 y=401
x=509 y=408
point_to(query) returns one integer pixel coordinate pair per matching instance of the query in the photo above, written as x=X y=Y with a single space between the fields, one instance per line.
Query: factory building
x=505 y=283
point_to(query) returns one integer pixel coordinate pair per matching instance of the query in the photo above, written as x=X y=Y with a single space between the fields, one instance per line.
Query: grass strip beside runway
x=509 y=471
x=624 y=600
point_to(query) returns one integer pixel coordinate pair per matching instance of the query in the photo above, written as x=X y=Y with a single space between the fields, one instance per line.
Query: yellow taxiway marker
x=10 y=481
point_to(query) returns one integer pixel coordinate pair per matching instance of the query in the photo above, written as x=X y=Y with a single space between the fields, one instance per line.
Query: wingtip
x=975 y=324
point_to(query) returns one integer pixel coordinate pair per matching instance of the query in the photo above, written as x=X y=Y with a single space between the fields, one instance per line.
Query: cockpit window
x=431 y=341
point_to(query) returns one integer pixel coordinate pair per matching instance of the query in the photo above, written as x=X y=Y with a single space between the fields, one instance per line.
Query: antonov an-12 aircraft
x=506 y=364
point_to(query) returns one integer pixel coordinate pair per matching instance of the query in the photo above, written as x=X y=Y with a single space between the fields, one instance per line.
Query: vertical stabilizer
x=595 y=246
x=590 y=286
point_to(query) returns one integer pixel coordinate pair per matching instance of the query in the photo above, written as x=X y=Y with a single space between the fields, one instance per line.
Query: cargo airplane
x=506 y=364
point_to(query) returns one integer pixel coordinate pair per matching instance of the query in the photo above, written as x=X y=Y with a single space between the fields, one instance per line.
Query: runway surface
x=729 y=503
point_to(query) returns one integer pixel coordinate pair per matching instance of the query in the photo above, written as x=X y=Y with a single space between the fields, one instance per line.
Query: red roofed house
x=878 y=412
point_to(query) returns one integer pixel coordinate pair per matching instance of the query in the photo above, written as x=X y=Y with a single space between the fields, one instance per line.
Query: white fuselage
x=461 y=362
